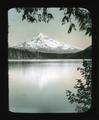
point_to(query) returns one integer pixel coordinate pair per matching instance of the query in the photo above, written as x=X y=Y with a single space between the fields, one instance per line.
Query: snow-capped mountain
x=43 y=43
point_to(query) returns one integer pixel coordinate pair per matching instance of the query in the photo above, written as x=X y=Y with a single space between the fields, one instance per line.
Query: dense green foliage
x=81 y=15
x=82 y=97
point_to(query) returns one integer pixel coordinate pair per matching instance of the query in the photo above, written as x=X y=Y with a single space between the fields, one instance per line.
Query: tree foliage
x=81 y=15
x=82 y=97
x=35 y=14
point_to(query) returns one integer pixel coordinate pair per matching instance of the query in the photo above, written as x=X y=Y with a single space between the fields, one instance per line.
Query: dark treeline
x=15 y=53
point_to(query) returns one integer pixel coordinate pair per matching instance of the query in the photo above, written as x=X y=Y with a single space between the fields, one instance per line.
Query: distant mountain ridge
x=44 y=47
x=86 y=53
x=43 y=43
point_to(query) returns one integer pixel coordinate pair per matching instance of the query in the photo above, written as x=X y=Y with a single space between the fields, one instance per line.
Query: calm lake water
x=39 y=86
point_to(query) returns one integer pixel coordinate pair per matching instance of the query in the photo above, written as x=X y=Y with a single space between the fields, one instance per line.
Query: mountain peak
x=40 y=35
x=44 y=43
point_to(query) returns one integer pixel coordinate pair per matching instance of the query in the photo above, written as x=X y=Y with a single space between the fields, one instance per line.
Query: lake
x=39 y=86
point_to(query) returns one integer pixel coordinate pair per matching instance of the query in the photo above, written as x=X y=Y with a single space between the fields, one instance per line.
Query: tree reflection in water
x=83 y=87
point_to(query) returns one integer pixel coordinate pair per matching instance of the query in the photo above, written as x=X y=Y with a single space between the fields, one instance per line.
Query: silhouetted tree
x=81 y=15
x=82 y=97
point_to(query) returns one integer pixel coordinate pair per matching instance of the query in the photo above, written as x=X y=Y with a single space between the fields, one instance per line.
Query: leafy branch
x=81 y=15
x=82 y=97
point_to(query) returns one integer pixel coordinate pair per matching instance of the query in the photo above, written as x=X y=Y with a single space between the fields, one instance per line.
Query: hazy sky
x=21 y=31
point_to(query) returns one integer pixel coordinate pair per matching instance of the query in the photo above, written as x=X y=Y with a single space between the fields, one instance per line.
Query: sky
x=22 y=31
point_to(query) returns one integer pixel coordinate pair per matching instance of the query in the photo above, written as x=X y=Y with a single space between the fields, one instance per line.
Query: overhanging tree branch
x=81 y=15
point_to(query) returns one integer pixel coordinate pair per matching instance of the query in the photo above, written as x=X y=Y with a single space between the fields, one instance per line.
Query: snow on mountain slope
x=42 y=43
